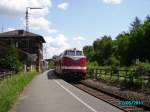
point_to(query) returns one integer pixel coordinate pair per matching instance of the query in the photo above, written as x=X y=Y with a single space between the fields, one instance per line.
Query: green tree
x=89 y=52
x=123 y=48
x=103 y=49
x=135 y=24
x=11 y=60
x=139 y=42
x=147 y=17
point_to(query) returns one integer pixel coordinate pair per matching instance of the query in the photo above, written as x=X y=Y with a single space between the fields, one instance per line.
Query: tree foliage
x=103 y=48
x=136 y=24
x=11 y=60
x=125 y=49
x=89 y=52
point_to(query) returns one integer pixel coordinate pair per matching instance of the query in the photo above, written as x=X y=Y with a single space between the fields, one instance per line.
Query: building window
x=16 y=44
x=23 y=44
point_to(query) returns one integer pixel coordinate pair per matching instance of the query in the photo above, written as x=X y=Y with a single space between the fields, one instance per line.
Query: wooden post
x=95 y=74
x=99 y=73
x=25 y=68
x=111 y=73
x=4 y=75
x=126 y=75
x=149 y=81
x=118 y=75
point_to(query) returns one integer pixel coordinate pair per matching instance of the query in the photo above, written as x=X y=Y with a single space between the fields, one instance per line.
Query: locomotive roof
x=72 y=49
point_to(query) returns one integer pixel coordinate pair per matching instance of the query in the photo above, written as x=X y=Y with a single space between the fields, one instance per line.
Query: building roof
x=21 y=33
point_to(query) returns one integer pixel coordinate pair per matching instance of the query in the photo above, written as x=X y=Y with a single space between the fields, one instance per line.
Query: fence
x=132 y=77
x=4 y=74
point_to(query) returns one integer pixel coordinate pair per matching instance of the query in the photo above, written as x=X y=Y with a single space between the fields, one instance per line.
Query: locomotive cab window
x=70 y=53
x=73 y=53
x=79 y=53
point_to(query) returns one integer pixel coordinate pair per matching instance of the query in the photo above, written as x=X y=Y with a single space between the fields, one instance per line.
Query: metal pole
x=27 y=19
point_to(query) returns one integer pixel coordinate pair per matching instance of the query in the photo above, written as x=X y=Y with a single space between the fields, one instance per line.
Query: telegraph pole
x=27 y=16
x=27 y=19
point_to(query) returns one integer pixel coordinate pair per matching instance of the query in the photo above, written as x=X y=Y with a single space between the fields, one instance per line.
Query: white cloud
x=56 y=45
x=112 y=2
x=17 y=7
x=39 y=12
x=41 y=24
x=63 y=6
x=10 y=29
x=79 y=39
x=78 y=42
x=38 y=22
x=37 y=18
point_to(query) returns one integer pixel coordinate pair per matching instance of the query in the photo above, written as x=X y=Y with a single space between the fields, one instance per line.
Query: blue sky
x=72 y=23
x=93 y=18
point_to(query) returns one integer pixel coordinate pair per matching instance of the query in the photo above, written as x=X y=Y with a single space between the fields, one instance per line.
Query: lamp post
x=27 y=16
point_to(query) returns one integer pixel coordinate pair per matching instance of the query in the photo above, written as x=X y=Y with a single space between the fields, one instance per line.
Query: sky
x=72 y=23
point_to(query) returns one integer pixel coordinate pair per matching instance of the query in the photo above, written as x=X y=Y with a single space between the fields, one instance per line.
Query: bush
x=115 y=69
x=135 y=75
x=11 y=60
x=51 y=64
x=143 y=68
x=114 y=61
x=90 y=68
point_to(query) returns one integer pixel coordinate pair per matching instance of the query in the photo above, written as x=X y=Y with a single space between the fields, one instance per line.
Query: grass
x=124 y=80
x=11 y=87
x=138 y=84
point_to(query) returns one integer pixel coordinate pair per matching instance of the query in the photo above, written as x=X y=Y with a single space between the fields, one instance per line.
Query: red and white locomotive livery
x=71 y=63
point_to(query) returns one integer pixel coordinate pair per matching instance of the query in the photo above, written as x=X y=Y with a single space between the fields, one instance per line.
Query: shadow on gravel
x=72 y=80
x=52 y=75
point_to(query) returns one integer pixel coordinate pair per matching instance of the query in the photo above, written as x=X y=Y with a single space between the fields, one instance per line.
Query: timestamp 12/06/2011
x=131 y=102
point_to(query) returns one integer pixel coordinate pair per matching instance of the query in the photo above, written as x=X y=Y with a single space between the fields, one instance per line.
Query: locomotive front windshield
x=70 y=53
x=73 y=53
x=79 y=53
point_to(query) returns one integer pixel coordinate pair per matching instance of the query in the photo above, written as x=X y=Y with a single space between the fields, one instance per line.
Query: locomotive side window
x=65 y=53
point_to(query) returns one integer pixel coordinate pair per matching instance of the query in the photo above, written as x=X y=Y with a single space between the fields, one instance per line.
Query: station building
x=29 y=45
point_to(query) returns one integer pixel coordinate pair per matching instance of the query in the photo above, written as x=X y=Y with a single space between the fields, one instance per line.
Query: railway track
x=111 y=99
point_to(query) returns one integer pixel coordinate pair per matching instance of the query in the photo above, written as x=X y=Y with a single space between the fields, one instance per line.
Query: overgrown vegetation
x=135 y=77
x=11 y=87
x=51 y=64
x=11 y=61
x=129 y=50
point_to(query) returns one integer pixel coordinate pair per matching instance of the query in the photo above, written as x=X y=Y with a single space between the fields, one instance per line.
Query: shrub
x=11 y=60
x=143 y=68
x=113 y=61
x=90 y=68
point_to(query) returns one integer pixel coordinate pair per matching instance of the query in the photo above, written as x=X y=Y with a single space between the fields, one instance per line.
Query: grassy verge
x=132 y=78
x=11 y=87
